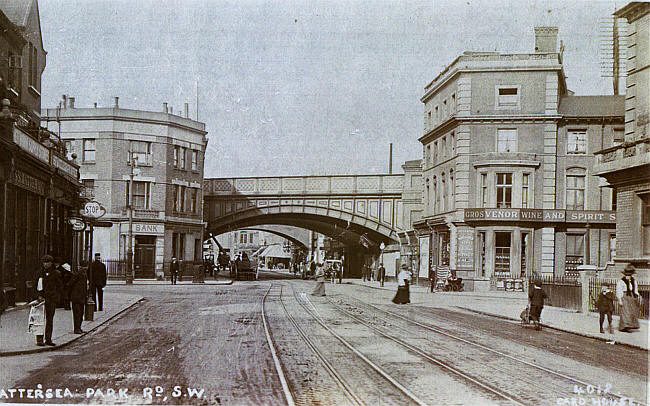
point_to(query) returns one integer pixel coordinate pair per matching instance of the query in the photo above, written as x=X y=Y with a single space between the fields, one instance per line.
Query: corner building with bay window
x=168 y=150
x=508 y=184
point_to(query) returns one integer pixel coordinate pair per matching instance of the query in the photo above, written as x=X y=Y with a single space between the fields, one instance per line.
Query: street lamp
x=130 y=273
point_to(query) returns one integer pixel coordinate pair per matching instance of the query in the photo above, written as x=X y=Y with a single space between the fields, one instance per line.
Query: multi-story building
x=39 y=187
x=167 y=151
x=507 y=165
x=626 y=162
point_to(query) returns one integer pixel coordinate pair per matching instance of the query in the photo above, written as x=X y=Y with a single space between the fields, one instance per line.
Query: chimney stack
x=95 y=104
x=546 y=39
x=65 y=101
x=117 y=102
x=187 y=110
x=171 y=109
x=71 y=102
x=165 y=109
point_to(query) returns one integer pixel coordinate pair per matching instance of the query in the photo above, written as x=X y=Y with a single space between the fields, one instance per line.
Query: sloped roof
x=592 y=106
x=16 y=10
x=274 y=251
x=259 y=250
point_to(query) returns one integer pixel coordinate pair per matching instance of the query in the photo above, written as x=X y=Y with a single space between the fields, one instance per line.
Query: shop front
x=148 y=246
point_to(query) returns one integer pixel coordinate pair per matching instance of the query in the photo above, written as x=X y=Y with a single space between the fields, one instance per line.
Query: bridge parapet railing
x=305 y=185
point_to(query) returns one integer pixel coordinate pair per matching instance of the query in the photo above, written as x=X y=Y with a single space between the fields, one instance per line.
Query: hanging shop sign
x=539 y=215
x=93 y=210
x=77 y=223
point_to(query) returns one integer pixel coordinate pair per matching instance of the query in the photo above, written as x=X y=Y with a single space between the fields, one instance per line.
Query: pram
x=526 y=320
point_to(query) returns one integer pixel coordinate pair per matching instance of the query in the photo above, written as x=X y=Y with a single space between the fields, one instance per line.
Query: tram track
x=532 y=379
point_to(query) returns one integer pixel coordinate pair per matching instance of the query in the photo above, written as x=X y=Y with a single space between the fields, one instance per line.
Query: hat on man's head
x=66 y=267
x=97 y=254
x=404 y=266
x=629 y=270
x=46 y=258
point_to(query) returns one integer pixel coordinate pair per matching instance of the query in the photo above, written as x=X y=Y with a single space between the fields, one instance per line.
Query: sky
x=296 y=87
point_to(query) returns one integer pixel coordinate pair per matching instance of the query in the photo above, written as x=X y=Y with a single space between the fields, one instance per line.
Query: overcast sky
x=296 y=87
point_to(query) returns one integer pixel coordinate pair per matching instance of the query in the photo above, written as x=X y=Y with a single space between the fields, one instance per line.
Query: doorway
x=144 y=256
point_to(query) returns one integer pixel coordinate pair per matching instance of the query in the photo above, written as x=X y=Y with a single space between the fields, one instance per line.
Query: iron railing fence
x=117 y=268
x=562 y=291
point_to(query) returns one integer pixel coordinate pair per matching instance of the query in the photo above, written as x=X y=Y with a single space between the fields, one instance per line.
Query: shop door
x=144 y=256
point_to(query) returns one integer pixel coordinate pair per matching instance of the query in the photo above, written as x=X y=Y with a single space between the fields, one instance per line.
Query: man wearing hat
x=49 y=287
x=627 y=294
x=97 y=278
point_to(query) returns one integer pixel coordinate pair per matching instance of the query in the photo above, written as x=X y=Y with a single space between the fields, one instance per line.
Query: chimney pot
x=187 y=110
x=171 y=109
x=65 y=101
x=95 y=105
x=117 y=102
x=165 y=109
x=71 y=102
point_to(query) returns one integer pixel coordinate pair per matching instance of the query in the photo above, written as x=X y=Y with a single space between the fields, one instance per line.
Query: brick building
x=626 y=164
x=168 y=150
x=39 y=187
x=508 y=154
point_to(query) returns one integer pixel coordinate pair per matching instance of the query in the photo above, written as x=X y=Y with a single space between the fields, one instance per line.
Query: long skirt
x=629 y=314
x=535 y=313
x=402 y=295
x=319 y=290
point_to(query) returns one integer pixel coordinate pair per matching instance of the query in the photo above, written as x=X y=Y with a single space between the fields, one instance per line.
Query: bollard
x=89 y=311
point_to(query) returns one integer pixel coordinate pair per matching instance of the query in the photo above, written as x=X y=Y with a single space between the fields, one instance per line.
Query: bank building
x=507 y=169
x=165 y=151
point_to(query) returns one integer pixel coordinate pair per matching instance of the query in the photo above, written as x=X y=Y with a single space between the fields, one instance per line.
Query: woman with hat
x=403 y=280
x=627 y=294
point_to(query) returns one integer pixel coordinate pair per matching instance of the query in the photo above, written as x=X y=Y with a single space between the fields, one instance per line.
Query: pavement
x=209 y=280
x=508 y=305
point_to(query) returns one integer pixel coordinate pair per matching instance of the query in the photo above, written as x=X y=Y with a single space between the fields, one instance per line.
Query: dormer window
x=507 y=97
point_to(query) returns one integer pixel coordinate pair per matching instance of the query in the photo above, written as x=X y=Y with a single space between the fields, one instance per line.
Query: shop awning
x=274 y=251
x=259 y=250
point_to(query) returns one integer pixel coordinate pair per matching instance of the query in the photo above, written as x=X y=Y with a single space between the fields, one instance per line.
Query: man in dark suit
x=78 y=296
x=173 y=270
x=381 y=274
x=97 y=279
x=50 y=288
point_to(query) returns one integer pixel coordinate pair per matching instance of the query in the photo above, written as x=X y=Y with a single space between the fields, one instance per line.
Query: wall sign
x=93 y=210
x=465 y=244
x=77 y=223
x=539 y=215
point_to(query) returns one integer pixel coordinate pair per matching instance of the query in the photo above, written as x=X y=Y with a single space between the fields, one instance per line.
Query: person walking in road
x=319 y=290
x=536 y=297
x=627 y=294
x=78 y=295
x=173 y=270
x=605 y=304
x=49 y=288
x=97 y=278
x=381 y=274
x=403 y=280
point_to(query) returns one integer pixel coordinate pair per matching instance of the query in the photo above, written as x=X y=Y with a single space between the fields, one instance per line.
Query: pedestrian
x=97 y=278
x=49 y=288
x=403 y=280
x=381 y=274
x=78 y=295
x=66 y=274
x=173 y=270
x=627 y=294
x=605 y=304
x=319 y=290
x=536 y=297
x=432 y=279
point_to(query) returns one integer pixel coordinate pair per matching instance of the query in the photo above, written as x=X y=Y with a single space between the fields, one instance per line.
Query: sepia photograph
x=324 y=202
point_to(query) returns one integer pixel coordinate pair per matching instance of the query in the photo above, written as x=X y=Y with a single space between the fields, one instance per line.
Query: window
x=443 y=191
x=577 y=142
x=428 y=196
x=88 y=183
x=69 y=149
x=504 y=190
x=89 y=150
x=140 y=195
x=435 y=195
x=427 y=158
x=506 y=140
x=195 y=160
x=443 y=147
x=524 y=190
x=481 y=249
x=33 y=65
x=445 y=111
x=15 y=72
x=452 y=201
x=575 y=190
x=453 y=102
x=618 y=136
x=575 y=252
x=452 y=141
x=484 y=190
x=437 y=114
x=502 y=254
x=175 y=192
x=614 y=199
x=176 y=153
x=181 y=158
x=645 y=222
x=181 y=198
x=88 y=189
x=508 y=97
x=141 y=151
x=435 y=152
x=429 y=118
x=612 y=247
x=193 y=198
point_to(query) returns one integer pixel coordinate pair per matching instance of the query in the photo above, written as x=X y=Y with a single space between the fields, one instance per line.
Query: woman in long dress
x=627 y=294
x=319 y=290
x=403 y=280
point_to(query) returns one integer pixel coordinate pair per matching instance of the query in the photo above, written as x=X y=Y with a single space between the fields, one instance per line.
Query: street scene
x=324 y=203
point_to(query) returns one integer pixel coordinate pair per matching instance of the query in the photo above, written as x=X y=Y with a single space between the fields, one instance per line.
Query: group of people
x=379 y=275
x=58 y=285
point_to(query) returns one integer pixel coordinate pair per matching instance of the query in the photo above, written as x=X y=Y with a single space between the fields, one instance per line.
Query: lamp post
x=130 y=275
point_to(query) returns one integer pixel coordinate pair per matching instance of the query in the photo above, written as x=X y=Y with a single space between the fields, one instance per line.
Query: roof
x=259 y=250
x=274 y=251
x=16 y=10
x=592 y=106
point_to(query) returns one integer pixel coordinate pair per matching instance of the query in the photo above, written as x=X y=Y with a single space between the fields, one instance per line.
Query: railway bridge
x=352 y=209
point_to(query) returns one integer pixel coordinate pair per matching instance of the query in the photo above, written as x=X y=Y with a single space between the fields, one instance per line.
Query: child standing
x=605 y=306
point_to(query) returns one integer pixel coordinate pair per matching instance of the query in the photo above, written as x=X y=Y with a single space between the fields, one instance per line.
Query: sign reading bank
x=144 y=228
x=539 y=215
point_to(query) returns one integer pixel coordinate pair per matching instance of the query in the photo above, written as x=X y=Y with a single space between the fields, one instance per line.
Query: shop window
x=484 y=190
x=504 y=190
x=577 y=142
x=502 y=254
x=525 y=244
x=575 y=252
x=140 y=195
x=507 y=97
x=195 y=160
x=443 y=248
x=506 y=140
x=575 y=189
x=89 y=150
x=141 y=151
x=645 y=221
x=612 y=247
x=525 y=179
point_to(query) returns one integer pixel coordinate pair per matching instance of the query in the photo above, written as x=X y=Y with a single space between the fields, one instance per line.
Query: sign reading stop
x=93 y=210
